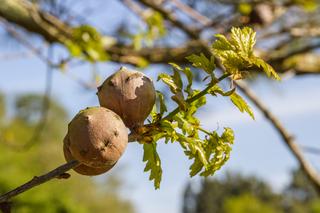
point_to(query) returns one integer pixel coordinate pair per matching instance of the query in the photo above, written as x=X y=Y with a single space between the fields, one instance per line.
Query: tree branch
x=32 y=19
x=192 y=13
x=45 y=108
x=155 y=55
x=170 y=17
x=22 y=40
x=134 y=7
x=197 y=96
x=287 y=138
x=134 y=136
x=27 y=15
x=59 y=172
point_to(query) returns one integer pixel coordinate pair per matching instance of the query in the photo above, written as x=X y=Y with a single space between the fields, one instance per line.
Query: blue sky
x=258 y=149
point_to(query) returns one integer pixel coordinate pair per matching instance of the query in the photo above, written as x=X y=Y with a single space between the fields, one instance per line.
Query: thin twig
x=170 y=17
x=134 y=7
x=21 y=39
x=37 y=52
x=192 y=13
x=38 y=180
x=287 y=138
x=45 y=106
x=196 y=97
x=83 y=83
x=133 y=136
x=15 y=56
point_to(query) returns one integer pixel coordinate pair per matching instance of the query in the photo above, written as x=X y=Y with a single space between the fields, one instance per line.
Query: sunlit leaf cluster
x=237 y=56
x=155 y=29
x=308 y=5
x=208 y=150
x=87 y=43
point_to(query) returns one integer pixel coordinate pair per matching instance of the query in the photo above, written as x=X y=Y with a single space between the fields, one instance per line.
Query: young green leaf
x=202 y=62
x=194 y=148
x=153 y=163
x=177 y=78
x=265 y=67
x=175 y=66
x=155 y=29
x=167 y=79
x=217 y=90
x=195 y=168
x=155 y=24
x=179 y=99
x=241 y=104
x=189 y=75
x=308 y=5
x=181 y=125
x=221 y=147
x=228 y=135
x=216 y=151
x=163 y=107
x=153 y=114
x=222 y=44
x=237 y=55
x=86 y=42
x=244 y=40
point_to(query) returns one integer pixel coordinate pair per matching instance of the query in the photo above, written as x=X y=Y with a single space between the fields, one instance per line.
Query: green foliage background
x=18 y=164
x=236 y=193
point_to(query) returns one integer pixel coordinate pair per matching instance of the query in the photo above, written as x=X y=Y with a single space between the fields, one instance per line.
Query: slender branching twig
x=287 y=137
x=58 y=172
x=310 y=172
x=45 y=106
x=192 y=13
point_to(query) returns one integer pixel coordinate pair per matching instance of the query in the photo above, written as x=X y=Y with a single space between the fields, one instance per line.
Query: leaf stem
x=204 y=131
x=197 y=96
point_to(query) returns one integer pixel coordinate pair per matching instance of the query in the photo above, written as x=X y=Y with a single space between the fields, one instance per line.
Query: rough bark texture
x=38 y=180
x=27 y=15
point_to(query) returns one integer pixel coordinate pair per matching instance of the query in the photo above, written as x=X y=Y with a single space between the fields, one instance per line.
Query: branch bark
x=29 y=17
x=171 y=18
x=192 y=13
x=287 y=138
x=38 y=180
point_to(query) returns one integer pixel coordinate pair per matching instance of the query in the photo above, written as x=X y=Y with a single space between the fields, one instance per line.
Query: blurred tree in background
x=79 y=194
x=248 y=194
